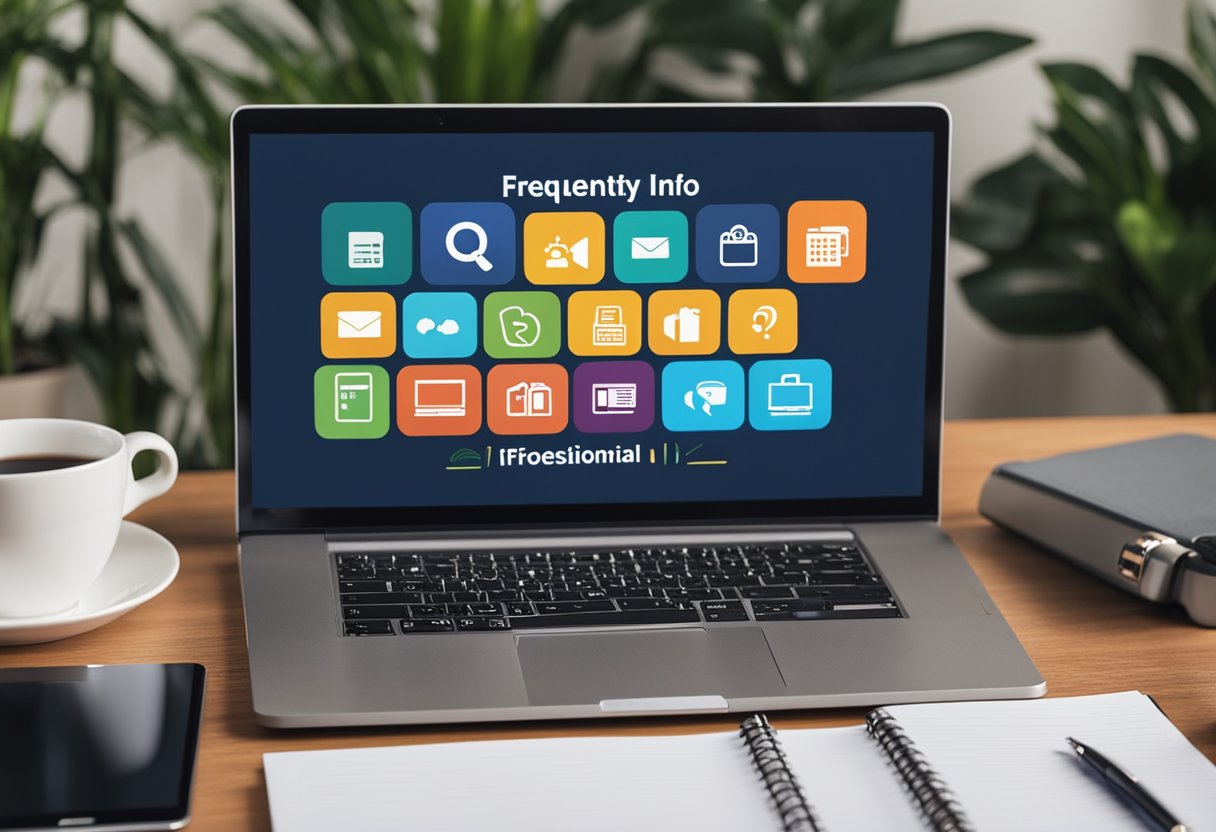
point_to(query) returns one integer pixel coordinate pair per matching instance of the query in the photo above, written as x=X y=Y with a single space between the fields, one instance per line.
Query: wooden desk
x=1085 y=637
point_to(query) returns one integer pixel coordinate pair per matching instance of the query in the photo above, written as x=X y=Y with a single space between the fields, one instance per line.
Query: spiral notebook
x=957 y=766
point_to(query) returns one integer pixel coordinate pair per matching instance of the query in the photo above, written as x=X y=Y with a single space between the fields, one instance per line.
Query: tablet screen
x=96 y=745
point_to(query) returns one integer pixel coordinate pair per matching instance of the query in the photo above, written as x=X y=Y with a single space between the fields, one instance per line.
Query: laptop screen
x=553 y=313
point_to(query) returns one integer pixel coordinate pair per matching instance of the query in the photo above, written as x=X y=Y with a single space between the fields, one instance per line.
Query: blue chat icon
x=702 y=395
x=467 y=243
x=439 y=324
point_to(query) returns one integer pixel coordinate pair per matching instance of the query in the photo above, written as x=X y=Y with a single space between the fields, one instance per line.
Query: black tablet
x=99 y=747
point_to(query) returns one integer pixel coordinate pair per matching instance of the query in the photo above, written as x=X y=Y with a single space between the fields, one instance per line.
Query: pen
x=1126 y=785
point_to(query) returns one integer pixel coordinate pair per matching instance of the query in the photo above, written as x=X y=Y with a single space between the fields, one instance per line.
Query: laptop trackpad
x=582 y=668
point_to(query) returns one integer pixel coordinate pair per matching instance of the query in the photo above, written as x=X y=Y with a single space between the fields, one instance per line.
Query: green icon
x=350 y=401
x=650 y=246
x=522 y=324
x=367 y=243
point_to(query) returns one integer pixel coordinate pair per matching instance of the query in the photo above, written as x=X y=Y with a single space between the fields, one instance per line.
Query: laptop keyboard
x=386 y=594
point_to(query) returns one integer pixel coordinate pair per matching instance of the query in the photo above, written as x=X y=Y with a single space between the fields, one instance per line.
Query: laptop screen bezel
x=920 y=118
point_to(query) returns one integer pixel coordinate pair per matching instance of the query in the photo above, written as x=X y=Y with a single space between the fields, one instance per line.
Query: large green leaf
x=1149 y=236
x=921 y=61
x=1098 y=130
x=1000 y=211
x=1034 y=298
x=859 y=27
x=1190 y=269
x=1201 y=38
x=163 y=279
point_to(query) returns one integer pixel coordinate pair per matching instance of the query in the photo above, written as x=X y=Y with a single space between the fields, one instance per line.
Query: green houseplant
x=122 y=269
x=31 y=375
x=1112 y=222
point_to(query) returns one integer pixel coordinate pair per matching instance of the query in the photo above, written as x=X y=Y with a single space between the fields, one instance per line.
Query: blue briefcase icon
x=790 y=396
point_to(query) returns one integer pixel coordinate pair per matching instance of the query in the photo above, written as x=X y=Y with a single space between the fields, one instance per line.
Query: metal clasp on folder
x=1150 y=562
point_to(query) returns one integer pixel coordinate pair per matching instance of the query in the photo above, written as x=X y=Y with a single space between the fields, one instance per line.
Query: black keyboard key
x=369 y=628
x=783 y=591
x=520 y=608
x=645 y=604
x=426 y=625
x=426 y=610
x=361 y=598
x=364 y=586
x=481 y=624
x=501 y=595
x=484 y=608
x=704 y=594
x=373 y=611
x=769 y=610
x=606 y=619
x=556 y=607
x=723 y=611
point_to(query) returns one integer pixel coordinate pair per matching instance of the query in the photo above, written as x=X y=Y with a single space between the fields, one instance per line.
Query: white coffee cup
x=58 y=527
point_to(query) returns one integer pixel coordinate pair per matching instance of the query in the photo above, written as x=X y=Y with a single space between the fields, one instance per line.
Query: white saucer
x=142 y=565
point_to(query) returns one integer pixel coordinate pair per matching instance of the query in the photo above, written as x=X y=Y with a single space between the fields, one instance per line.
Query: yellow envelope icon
x=650 y=248
x=359 y=323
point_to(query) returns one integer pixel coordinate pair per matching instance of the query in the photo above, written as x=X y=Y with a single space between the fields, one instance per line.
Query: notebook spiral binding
x=931 y=793
x=769 y=758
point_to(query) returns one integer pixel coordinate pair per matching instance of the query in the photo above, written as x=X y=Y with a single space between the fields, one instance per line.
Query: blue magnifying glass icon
x=477 y=255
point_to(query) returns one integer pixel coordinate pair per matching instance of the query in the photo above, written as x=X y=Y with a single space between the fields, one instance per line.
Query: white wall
x=995 y=109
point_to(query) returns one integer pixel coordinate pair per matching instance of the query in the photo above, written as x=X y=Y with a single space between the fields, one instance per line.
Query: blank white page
x=848 y=780
x=704 y=782
x=1011 y=769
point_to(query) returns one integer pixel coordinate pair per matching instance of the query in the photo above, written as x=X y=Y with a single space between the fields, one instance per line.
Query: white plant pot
x=38 y=393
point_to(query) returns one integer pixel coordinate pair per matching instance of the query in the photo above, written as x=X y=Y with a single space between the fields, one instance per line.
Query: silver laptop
x=551 y=412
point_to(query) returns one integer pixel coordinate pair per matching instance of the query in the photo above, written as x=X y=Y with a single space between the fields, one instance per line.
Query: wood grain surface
x=1084 y=636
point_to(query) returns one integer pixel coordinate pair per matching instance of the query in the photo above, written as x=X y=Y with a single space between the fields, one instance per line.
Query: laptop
x=582 y=411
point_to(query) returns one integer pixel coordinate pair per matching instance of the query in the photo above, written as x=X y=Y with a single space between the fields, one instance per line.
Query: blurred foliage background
x=1111 y=222
x=356 y=52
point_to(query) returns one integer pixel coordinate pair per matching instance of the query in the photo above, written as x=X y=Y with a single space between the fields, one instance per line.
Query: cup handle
x=139 y=491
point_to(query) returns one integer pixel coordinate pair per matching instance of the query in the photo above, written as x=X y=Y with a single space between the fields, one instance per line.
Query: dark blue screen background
x=873 y=333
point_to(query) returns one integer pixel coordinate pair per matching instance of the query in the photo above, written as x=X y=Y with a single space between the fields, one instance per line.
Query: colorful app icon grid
x=650 y=246
x=738 y=243
x=350 y=401
x=789 y=394
x=467 y=243
x=367 y=243
x=702 y=396
x=439 y=325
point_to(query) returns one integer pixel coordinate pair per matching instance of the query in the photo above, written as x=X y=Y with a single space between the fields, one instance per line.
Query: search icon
x=477 y=255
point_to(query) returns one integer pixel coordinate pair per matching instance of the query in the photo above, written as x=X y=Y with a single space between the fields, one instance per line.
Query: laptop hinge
x=668 y=536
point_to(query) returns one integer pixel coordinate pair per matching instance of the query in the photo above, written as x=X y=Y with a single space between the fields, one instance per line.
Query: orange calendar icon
x=827 y=241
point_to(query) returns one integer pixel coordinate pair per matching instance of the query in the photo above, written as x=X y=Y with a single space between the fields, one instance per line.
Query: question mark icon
x=763 y=320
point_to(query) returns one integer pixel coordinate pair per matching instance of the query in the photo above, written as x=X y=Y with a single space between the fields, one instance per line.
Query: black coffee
x=46 y=462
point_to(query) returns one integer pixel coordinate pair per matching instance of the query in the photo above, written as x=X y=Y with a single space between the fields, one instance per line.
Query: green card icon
x=351 y=401
x=367 y=243
x=522 y=324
